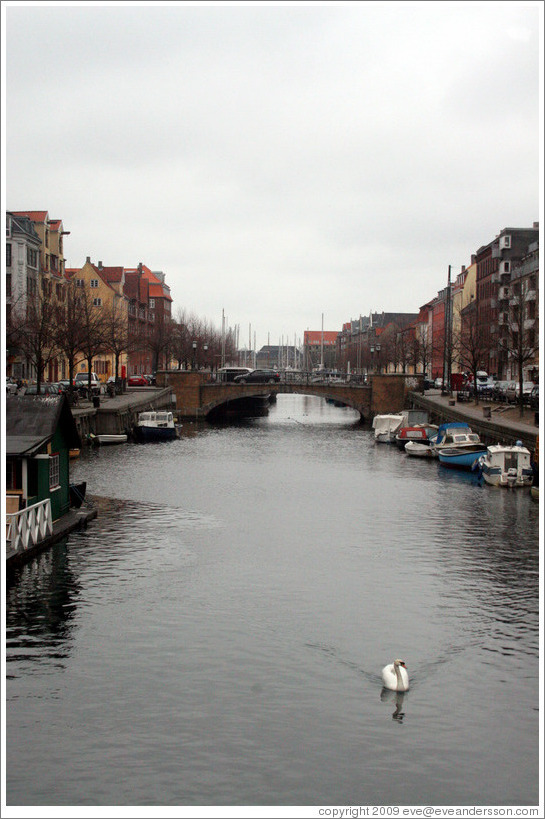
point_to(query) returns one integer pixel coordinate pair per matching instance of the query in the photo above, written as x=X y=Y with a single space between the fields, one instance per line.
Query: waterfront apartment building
x=495 y=263
x=35 y=271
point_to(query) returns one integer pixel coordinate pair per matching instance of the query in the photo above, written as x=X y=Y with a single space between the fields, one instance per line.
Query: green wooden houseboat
x=40 y=431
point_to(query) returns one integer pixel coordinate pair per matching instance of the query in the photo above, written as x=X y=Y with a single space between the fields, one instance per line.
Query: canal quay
x=215 y=636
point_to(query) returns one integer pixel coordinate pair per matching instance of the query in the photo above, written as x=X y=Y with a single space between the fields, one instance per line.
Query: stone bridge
x=197 y=394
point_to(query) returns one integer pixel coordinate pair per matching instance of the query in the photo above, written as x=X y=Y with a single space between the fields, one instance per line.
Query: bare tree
x=93 y=329
x=69 y=321
x=117 y=338
x=470 y=343
x=519 y=343
x=33 y=329
x=159 y=339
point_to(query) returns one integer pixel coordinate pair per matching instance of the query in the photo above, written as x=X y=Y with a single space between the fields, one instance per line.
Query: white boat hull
x=110 y=439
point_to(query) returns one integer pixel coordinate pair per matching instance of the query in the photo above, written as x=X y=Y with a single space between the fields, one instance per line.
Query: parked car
x=137 y=381
x=534 y=398
x=150 y=378
x=258 y=377
x=63 y=385
x=438 y=383
x=11 y=386
x=45 y=389
x=499 y=392
x=81 y=381
x=513 y=391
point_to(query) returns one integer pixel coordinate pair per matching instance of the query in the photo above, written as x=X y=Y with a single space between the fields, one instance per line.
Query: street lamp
x=376 y=348
x=194 y=355
x=205 y=348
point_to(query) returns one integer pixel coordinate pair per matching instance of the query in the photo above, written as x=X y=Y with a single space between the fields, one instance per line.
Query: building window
x=79 y=282
x=54 y=471
x=32 y=257
x=152 y=304
x=94 y=282
x=8 y=255
x=506 y=267
x=97 y=302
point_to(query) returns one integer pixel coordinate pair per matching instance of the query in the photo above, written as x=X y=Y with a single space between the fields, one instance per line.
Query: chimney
x=100 y=265
x=463 y=269
x=139 y=268
x=88 y=259
x=536 y=225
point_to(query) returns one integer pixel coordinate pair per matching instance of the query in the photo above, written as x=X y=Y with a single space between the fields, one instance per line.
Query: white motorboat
x=507 y=465
x=155 y=426
x=103 y=439
x=420 y=449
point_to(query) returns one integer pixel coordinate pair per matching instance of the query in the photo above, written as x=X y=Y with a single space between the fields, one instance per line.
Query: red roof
x=315 y=336
x=156 y=292
x=33 y=215
x=113 y=274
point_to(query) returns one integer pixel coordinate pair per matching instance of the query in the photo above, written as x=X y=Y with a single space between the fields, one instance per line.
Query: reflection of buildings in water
x=41 y=603
x=397 y=698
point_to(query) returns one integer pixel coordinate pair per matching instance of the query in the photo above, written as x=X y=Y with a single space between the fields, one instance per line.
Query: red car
x=137 y=381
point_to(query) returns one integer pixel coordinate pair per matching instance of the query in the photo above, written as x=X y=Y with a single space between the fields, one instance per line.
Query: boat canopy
x=445 y=429
x=387 y=423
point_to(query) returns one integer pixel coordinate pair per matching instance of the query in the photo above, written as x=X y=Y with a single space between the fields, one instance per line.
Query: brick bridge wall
x=196 y=395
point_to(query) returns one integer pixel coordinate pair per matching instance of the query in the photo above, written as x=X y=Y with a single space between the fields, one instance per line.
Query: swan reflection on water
x=396 y=697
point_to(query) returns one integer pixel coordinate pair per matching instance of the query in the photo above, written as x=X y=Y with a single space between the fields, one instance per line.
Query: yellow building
x=103 y=288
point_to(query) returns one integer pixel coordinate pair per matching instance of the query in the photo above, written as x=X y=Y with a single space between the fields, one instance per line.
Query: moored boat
x=507 y=465
x=420 y=433
x=105 y=438
x=155 y=426
x=457 y=446
x=420 y=449
x=387 y=426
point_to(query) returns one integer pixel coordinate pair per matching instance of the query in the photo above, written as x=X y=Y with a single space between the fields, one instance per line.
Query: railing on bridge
x=293 y=377
x=29 y=526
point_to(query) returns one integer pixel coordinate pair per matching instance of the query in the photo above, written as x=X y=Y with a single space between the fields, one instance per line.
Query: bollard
x=487 y=412
x=96 y=401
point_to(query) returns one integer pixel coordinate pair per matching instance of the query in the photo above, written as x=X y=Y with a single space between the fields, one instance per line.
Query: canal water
x=216 y=636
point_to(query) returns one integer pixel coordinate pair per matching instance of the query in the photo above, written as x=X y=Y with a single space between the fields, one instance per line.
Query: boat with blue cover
x=457 y=446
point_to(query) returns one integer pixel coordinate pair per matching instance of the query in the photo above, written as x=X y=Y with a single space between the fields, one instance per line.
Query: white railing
x=29 y=526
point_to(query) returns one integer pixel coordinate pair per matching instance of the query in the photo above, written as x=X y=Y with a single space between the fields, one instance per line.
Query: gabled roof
x=157 y=291
x=113 y=274
x=33 y=215
x=31 y=422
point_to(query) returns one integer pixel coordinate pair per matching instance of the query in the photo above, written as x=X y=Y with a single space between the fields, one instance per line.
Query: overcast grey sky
x=277 y=161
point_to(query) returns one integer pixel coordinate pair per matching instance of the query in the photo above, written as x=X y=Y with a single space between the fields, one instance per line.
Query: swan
x=395 y=676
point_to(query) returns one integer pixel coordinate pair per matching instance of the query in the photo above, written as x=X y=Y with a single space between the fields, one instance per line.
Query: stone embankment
x=494 y=423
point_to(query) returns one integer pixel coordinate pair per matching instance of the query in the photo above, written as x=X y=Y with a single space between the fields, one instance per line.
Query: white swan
x=395 y=677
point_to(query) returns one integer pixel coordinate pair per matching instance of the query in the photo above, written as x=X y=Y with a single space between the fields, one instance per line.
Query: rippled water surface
x=216 y=636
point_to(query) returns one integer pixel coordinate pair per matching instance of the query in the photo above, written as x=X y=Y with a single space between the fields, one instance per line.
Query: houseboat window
x=54 y=471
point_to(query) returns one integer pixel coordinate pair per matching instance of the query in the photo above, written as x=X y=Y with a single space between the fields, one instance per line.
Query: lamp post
x=205 y=348
x=194 y=355
x=375 y=348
